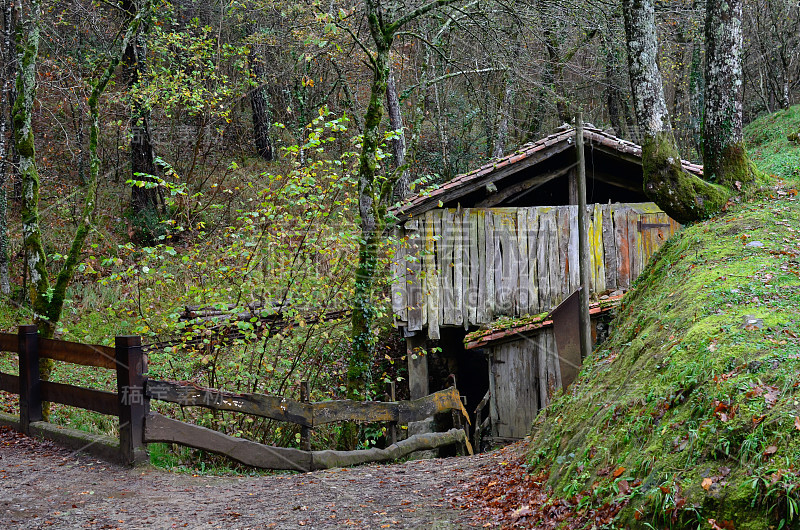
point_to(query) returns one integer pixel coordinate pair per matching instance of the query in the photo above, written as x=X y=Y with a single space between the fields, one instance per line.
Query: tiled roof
x=592 y=136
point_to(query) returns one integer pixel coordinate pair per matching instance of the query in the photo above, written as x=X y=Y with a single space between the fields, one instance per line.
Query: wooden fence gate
x=139 y=426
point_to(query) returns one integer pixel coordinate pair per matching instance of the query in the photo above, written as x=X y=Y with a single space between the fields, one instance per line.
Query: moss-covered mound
x=690 y=414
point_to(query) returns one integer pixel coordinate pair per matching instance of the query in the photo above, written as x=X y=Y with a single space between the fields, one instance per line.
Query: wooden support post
x=390 y=391
x=417 y=366
x=573 y=186
x=30 y=388
x=133 y=404
x=583 y=243
x=305 y=432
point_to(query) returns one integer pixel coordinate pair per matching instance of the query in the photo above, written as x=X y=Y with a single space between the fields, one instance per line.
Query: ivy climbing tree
x=376 y=187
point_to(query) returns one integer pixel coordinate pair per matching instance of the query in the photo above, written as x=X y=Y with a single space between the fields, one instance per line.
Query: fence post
x=30 y=387
x=390 y=389
x=133 y=404
x=305 y=432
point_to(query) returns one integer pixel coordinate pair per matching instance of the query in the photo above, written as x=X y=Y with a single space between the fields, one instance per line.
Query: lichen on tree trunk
x=725 y=159
x=375 y=190
x=7 y=74
x=683 y=196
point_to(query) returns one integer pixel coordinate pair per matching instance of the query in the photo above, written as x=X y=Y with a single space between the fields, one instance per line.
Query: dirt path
x=42 y=485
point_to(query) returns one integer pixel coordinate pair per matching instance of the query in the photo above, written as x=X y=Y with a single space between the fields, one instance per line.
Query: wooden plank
x=273 y=407
x=621 y=245
x=75 y=353
x=490 y=265
x=542 y=259
x=572 y=250
x=9 y=342
x=398 y=281
x=554 y=260
x=458 y=268
x=377 y=411
x=159 y=428
x=9 y=382
x=552 y=364
x=497 y=267
x=444 y=265
x=521 y=303
x=634 y=240
x=443 y=268
x=563 y=250
x=493 y=389
x=541 y=366
x=84 y=398
x=431 y=276
x=475 y=302
x=413 y=266
x=506 y=262
x=480 y=240
x=533 y=265
x=598 y=250
x=609 y=247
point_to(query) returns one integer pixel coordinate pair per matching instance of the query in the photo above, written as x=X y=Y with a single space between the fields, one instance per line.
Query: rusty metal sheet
x=566 y=328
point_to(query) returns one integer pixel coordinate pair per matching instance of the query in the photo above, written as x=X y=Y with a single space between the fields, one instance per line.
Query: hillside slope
x=689 y=416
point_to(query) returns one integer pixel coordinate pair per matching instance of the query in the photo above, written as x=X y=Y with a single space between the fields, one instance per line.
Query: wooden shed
x=502 y=242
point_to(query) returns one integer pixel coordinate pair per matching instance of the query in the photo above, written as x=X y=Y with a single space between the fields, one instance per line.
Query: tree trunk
x=144 y=199
x=36 y=258
x=725 y=159
x=501 y=137
x=259 y=103
x=696 y=98
x=7 y=75
x=402 y=189
x=681 y=195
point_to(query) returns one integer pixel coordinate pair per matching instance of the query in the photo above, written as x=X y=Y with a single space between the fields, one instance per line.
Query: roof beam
x=523 y=187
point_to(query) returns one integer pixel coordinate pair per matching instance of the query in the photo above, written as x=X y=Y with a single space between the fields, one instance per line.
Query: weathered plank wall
x=463 y=267
x=523 y=376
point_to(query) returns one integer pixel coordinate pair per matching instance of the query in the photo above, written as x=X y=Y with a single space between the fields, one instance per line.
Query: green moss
x=685 y=391
x=685 y=197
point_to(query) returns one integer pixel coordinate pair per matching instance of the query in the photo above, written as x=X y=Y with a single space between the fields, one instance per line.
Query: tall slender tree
x=376 y=187
x=7 y=74
x=47 y=298
x=144 y=199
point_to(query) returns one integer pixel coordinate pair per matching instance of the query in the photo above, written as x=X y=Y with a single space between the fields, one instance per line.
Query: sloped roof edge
x=532 y=153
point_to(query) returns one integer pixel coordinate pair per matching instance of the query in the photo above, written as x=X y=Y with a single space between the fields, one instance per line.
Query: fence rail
x=138 y=426
x=306 y=414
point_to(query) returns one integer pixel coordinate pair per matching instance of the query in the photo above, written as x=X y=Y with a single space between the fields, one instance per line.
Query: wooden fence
x=125 y=357
x=138 y=425
x=466 y=267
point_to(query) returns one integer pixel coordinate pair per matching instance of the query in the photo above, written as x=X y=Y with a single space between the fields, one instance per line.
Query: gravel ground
x=42 y=485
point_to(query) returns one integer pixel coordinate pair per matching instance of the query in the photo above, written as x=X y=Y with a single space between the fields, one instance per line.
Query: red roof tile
x=430 y=199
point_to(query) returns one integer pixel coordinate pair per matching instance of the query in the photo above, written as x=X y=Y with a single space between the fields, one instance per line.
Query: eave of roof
x=482 y=338
x=555 y=143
